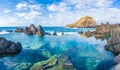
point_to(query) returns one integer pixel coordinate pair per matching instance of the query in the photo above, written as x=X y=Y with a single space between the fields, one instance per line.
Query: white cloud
x=35 y=7
x=21 y=6
x=61 y=7
x=7 y=11
x=81 y=4
x=101 y=11
x=26 y=6
x=30 y=16
x=11 y=21
x=68 y=11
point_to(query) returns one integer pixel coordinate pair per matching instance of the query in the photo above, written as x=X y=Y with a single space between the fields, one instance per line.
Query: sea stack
x=33 y=29
x=40 y=31
x=86 y=21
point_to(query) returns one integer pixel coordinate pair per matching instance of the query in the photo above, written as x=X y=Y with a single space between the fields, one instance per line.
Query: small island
x=86 y=21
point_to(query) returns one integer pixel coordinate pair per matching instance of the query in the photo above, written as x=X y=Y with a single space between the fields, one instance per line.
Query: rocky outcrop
x=32 y=30
x=9 y=47
x=54 y=33
x=28 y=31
x=40 y=31
x=102 y=31
x=19 y=29
x=114 y=45
x=103 y=28
x=86 y=21
x=114 y=41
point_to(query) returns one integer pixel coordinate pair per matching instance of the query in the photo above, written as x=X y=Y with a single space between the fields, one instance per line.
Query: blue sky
x=57 y=12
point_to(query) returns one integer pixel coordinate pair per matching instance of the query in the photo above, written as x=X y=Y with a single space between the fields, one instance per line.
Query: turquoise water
x=84 y=53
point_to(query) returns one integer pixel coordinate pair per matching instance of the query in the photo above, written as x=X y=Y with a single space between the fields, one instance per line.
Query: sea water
x=84 y=53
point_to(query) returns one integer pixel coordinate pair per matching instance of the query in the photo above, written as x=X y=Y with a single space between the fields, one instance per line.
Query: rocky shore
x=8 y=47
x=102 y=31
x=114 y=45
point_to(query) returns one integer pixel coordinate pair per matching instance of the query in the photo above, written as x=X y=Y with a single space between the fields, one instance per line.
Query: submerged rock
x=9 y=47
x=23 y=66
x=45 y=64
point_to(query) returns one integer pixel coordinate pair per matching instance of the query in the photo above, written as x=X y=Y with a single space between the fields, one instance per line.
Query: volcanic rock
x=40 y=31
x=33 y=29
x=28 y=31
x=9 y=47
x=114 y=41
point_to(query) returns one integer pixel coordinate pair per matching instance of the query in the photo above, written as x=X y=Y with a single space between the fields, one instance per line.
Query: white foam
x=4 y=32
x=67 y=33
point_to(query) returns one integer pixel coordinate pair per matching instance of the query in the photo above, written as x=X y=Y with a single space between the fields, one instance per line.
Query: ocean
x=84 y=53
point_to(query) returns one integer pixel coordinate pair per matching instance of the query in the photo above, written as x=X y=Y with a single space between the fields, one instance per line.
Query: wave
x=4 y=32
x=71 y=27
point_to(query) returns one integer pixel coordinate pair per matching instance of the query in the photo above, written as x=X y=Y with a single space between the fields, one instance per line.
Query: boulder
x=19 y=29
x=86 y=21
x=116 y=67
x=40 y=31
x=32 y=28
x=89 y=33
x=117 y=59
x=28 y=31
x=54 y=33
x=9 y=47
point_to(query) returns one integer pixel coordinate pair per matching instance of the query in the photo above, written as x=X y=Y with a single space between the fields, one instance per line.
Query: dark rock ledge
x=8 y=47
x=114 y=46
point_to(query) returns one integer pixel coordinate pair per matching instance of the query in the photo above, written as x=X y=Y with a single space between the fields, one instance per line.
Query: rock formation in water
x=31 y=30
x=114 y=45
x=103 y=28
x=40 y=31
x=19 y=30
x=56 y=62
x=114 y=41
x=28 y=31
x=9 y=47
x=45 y=64
x=86 y=21
x=102 y=31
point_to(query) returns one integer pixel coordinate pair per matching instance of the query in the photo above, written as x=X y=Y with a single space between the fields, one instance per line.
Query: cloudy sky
x=57 y=12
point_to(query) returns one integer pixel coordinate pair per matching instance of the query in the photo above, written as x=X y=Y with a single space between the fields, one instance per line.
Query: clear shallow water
x=84 y=53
